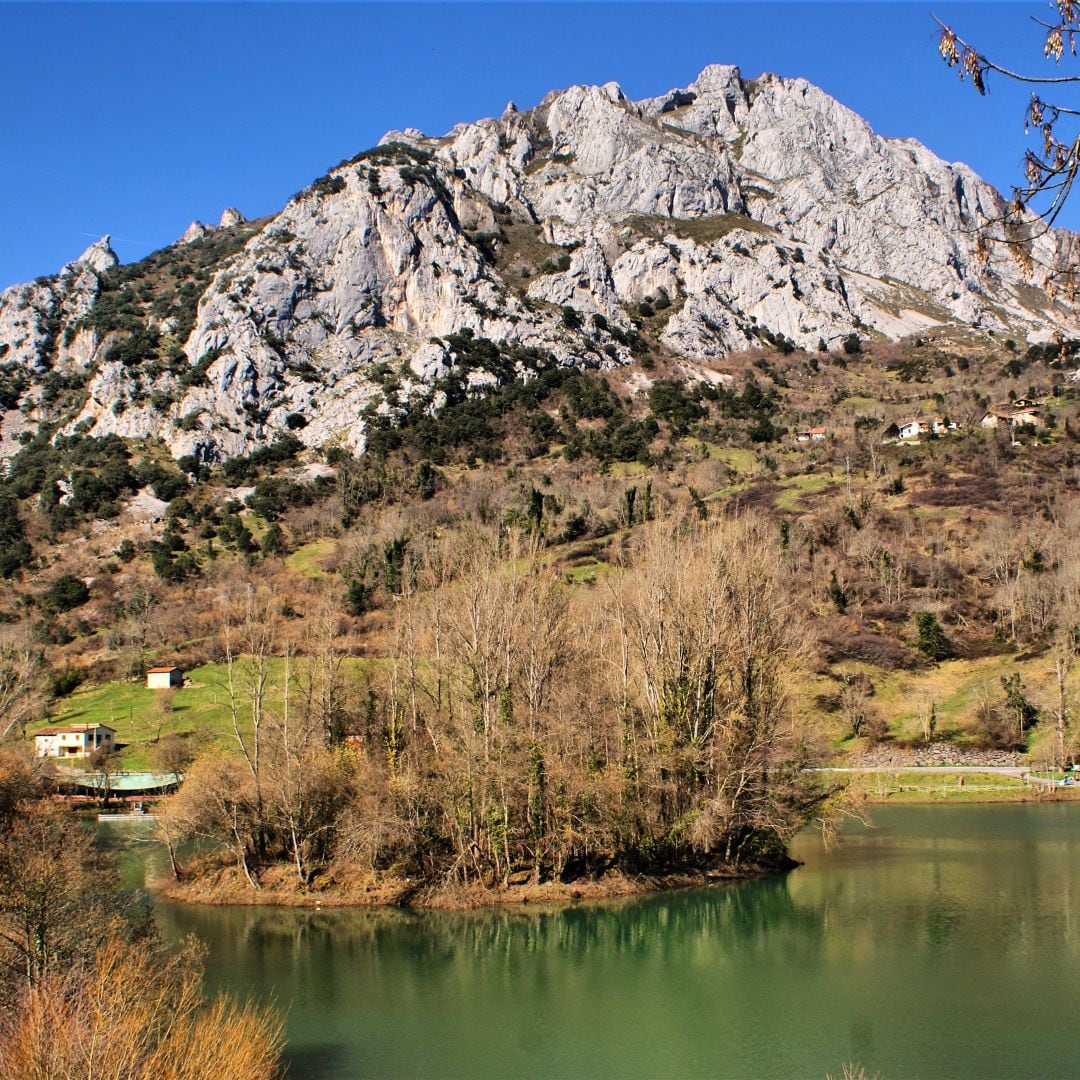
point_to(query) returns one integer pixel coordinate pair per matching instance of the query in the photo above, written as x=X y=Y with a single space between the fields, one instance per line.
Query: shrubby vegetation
x=245 y=469
x=13 y=381
x=72 y=478
x=15 y=550
x=166 y=286
x=67 y=592
x=525 y=390
x=87 y=988
x=411 y=588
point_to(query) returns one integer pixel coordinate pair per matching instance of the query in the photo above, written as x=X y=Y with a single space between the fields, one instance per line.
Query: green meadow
x=198 y=711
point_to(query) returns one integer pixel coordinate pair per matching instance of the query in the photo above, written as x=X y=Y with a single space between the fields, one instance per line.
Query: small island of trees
x=516 y=731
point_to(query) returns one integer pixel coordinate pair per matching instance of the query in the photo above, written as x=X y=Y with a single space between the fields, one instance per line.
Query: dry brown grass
x=137 y=1016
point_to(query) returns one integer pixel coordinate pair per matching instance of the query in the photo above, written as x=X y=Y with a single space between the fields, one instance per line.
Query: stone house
x=1027 y=416
x=1011 y=417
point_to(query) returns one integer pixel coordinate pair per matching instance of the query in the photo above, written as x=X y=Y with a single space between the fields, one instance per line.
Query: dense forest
x=517 y=729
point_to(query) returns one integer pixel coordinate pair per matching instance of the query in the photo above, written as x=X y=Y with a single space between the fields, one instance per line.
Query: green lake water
x=943 y=942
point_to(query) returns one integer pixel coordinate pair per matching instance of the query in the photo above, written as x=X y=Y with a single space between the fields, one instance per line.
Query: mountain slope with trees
x=543 y=523
x=592 y=229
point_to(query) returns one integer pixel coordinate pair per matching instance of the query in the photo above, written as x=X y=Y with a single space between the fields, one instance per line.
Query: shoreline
x=923 y=798
x=908 y=792
x=228 y=888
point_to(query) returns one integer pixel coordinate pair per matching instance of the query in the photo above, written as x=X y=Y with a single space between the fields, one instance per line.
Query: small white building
x=164 y=678
x=75 y=740
x=912 y=429
x=814 y=434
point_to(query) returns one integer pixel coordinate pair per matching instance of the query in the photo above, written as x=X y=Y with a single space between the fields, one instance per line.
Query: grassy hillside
x=973 y=531
x=199 y=712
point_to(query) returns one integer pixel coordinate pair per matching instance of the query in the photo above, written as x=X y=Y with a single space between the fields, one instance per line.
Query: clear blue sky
x=133 y=119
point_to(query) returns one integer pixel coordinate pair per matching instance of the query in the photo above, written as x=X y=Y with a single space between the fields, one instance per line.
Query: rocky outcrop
x=195 y=231
x=33 y=317
x=937 y=754
x=746 y=211
x=230 y=217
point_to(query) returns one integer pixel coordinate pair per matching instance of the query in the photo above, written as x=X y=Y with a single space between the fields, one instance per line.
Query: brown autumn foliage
x=87 y=990
x=136 y=1014
x=517 y=728
x=57 y=903
x=18 y=783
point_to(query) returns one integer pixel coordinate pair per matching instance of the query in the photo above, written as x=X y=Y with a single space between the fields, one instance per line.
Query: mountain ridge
x=591 y=229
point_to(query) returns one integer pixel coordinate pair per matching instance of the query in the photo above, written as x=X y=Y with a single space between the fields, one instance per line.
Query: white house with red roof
x=164 y=678
x=74 y=740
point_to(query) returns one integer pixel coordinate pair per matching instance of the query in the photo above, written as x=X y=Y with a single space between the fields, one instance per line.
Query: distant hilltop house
x=1012 y=417
x=164 y=678
x=913 y=428
x=814 y=434
x=75 y=740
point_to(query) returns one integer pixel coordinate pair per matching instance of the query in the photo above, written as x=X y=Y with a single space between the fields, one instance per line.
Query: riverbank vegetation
x=86 y=986
x=518 y=731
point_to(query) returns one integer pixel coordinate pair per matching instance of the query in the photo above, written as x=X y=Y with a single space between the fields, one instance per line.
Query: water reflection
x=920 y=948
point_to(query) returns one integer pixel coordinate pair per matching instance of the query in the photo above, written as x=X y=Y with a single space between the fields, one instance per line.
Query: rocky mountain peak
x=195 y=231
x=718 y=216
x=99 y=256
x=717 y=79
x=231 y=217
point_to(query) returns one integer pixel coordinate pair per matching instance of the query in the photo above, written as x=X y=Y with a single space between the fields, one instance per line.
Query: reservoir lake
x=943 y=941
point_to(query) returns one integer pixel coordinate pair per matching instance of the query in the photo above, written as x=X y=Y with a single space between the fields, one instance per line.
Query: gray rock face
x=98 y=256
x=230 y=216
x=740 y=211
x=33 y=316
x=195 y=231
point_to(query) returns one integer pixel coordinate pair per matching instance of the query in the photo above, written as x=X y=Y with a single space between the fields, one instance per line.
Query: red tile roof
x=73 y=729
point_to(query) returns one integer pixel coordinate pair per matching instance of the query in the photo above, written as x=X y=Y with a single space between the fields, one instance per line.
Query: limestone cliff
x=720 y=215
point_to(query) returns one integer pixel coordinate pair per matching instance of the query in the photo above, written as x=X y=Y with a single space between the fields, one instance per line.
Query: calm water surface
x=940 y=943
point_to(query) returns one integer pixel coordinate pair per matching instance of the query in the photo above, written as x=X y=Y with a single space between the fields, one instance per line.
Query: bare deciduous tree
x=1050 y=168
x=22 y=681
